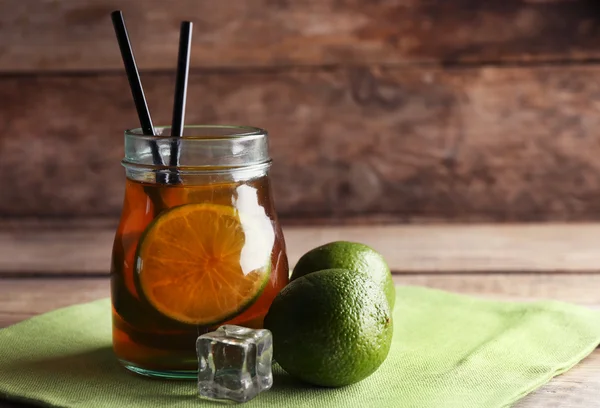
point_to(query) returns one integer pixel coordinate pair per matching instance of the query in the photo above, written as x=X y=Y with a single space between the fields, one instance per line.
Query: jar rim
x=231 y=132
x=195 y=170
x=203 y=148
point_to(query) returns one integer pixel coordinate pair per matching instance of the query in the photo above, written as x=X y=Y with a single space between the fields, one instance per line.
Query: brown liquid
x=146 y=339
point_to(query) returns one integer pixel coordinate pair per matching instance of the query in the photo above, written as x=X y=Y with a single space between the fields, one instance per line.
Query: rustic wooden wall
x=404 y=110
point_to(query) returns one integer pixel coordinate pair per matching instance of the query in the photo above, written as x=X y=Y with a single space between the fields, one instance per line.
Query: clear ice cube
x=234 y=363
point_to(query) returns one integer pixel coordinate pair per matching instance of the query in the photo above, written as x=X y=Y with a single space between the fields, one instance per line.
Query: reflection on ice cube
x=234 y=363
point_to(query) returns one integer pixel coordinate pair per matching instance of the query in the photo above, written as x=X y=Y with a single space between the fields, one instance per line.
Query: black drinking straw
x=135 y=83
x=181 y=82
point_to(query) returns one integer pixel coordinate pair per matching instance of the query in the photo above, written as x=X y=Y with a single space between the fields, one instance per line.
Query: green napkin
x=448 y=351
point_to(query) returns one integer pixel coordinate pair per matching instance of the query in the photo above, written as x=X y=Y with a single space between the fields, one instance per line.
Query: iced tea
x=191 y=256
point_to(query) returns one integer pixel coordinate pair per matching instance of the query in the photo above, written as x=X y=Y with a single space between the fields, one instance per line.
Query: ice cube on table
x=234 y=363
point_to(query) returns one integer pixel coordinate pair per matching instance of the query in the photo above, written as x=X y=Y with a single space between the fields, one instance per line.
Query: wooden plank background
x=76 y=35
x=379 y=111
x=75 y=248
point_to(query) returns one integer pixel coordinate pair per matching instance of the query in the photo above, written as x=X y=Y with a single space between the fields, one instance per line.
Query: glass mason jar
x=198 y=244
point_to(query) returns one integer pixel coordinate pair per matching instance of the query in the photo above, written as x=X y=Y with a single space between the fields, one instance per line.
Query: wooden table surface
x=46 y=266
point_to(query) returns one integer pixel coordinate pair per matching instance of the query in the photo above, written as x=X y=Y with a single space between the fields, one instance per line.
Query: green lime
x=330 y=328
x=349 y=255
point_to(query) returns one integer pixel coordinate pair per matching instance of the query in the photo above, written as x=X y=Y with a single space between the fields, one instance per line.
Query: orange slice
x=202 y=264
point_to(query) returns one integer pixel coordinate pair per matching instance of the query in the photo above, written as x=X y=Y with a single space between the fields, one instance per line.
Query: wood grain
x=77 y=35
x=55 y=251
x=474 y=144
x=24 y=298
x=466 y=248
x=577 y=388
x=574 y=288
x=75 y=247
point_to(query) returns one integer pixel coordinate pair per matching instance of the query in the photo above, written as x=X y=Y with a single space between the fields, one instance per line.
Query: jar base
x=164 y=374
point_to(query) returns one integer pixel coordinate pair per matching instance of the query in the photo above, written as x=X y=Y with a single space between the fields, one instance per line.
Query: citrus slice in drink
x=202 y=264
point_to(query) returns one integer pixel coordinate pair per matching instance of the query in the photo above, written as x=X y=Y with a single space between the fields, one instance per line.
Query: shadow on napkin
x=75 y=367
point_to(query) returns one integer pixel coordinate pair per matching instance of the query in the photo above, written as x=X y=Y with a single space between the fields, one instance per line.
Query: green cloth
x=448 y=351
